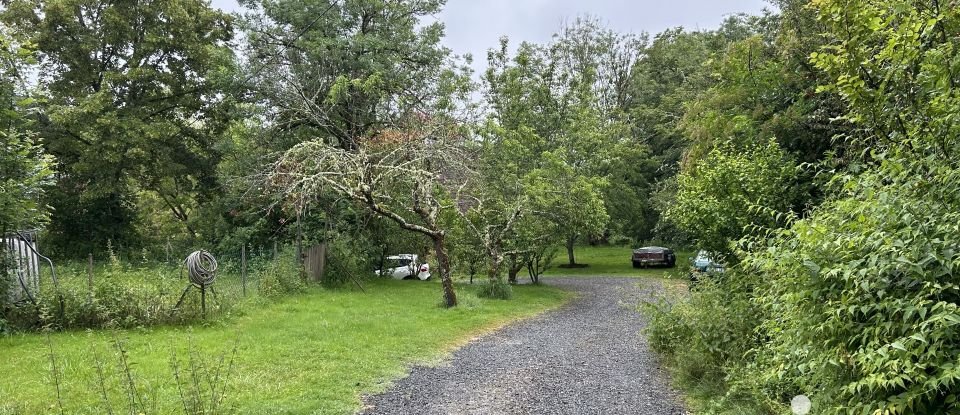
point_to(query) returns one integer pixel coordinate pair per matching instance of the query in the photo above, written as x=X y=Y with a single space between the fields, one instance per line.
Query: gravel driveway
x=585 y=358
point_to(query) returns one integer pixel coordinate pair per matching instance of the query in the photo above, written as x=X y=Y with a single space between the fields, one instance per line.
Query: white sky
x=473 y=26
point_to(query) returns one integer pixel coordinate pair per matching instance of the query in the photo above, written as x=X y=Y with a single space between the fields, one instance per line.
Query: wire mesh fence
x=111 y=292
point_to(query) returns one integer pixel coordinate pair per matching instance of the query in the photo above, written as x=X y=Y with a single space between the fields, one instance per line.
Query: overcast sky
x=473 y=26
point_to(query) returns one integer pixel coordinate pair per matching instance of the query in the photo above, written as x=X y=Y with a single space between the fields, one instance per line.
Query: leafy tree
x=669 y=75
x=25 y=170
x=346 y=70
x=492 y=230
x=136 y=102
x=397 y=177
x=766 y=87
x=603 y=58
x=591 y=54
x=672 y=73
x=572 y=202
x=502 y=221
x=733 y=191
x=548 y=133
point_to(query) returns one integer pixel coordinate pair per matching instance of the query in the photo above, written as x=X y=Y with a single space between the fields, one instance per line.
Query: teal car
x=704 y=263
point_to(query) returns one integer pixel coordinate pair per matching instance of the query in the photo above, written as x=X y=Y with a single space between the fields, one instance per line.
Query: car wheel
x=636 y=264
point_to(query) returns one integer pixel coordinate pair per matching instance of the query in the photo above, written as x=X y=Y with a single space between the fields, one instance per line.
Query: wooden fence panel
x=315 y=261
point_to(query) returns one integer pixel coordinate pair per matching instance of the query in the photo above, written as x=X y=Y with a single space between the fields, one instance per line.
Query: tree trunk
x=512 y=277
x=515 y=267
x=493 y=270
x=570 y=241
x=383 y=259
x=443 y=265
x=472 y=267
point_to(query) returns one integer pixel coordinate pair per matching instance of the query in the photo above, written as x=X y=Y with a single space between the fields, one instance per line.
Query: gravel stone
x=588 y=357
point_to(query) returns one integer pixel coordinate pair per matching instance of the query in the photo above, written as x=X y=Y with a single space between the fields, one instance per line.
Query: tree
x=546 y=129
x=406 y=176
x=345 y=70
x=734 y=191
x=765 y=86
x=136 y=102
x=572 y=202
x=493 y=229
x=25 y=170
x=603 y=58
x=674 y=69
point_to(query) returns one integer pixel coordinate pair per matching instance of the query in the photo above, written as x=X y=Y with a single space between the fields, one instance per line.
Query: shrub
x=497 y=290
x=855 y=306
x=280 y=276
x=867 y=294
x=346 y=260
x=705 y=336
x=122 y=297
x=735 y=188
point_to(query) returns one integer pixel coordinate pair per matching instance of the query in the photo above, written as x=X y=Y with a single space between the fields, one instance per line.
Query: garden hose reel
x=202 y=273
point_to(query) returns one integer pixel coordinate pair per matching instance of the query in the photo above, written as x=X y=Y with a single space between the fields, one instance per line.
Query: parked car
x=704 y=263
x=653 y=255
x=405 y=266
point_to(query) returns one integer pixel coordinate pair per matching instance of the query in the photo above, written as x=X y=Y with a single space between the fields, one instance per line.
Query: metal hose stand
x=202 y=273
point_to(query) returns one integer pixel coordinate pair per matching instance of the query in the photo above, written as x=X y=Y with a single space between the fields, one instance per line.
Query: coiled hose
x=201 y=268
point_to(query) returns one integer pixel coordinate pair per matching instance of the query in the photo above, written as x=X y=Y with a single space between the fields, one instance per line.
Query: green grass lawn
x=310 y=353
x=615 y=261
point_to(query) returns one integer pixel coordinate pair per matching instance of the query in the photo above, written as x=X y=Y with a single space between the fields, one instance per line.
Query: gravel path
x=585 y=358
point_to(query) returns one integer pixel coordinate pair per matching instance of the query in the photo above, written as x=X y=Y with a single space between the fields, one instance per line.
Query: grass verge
x=615 y=261
x=312 y=353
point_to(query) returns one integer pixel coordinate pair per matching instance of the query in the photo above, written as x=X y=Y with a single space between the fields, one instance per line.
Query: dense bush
x=127 y=295
x=734 y=188
x=868 y=291
x=706 y=336
x=855 y=306
x=857 y=303
x=280 y=276
x=498 y=290
x=122 y=296
x=346 y=260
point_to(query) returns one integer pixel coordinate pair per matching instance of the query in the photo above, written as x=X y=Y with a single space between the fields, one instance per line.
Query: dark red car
x=653 y=255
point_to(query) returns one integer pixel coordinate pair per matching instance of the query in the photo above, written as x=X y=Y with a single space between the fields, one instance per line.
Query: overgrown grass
x=615 y=261
x=702 y=336
x=116 y=294
x=315 y=352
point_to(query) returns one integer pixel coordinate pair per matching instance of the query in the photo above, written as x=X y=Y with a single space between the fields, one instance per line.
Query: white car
x=405 y=266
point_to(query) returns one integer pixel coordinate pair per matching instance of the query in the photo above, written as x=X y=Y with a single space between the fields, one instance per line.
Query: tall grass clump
x=496 y=290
